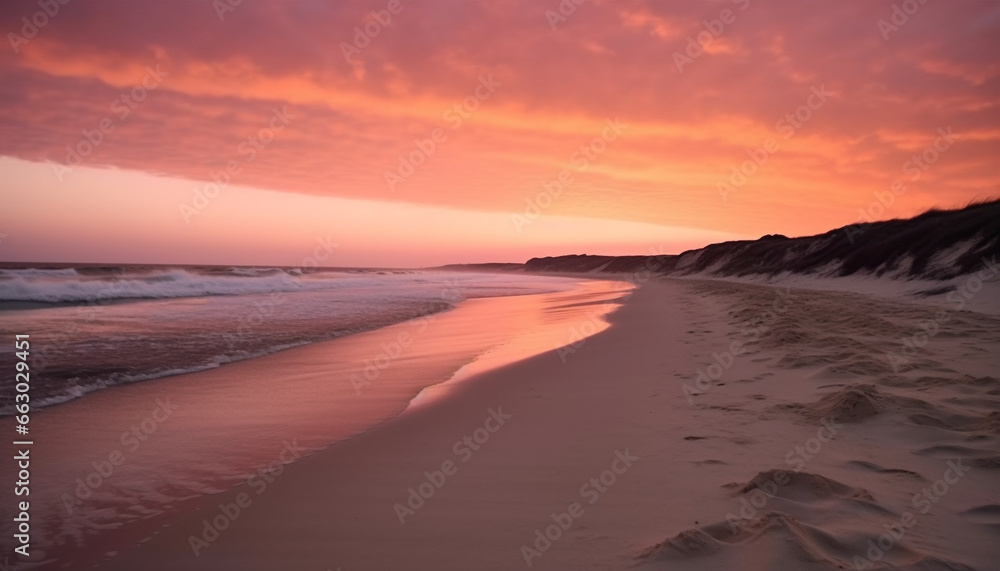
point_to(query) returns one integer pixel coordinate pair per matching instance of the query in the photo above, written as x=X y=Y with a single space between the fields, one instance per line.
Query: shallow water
x=135 y=324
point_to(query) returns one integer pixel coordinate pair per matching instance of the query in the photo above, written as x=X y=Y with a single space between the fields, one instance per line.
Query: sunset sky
x=416 y=133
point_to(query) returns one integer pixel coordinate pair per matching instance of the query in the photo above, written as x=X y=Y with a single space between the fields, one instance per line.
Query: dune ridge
x=936 y=245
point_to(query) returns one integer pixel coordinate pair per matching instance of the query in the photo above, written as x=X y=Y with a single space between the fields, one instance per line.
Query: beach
x=800 y=448
x=123 y=460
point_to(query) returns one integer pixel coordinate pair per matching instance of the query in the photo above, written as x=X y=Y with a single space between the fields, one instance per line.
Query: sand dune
x=937 y=245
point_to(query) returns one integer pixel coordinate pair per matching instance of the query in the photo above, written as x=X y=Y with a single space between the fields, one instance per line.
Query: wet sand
x=115 y=465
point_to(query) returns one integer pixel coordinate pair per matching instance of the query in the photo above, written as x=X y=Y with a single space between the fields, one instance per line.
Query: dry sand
x=806 y=451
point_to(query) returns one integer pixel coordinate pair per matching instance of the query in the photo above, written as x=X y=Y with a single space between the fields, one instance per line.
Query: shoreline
x=305 y=398
x=691 y=467
x=227 y=337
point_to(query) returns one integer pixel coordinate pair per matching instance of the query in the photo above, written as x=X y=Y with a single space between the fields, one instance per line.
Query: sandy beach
x=799 y=448
x=144 y=453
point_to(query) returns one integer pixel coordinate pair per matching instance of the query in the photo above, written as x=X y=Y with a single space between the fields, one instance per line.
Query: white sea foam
x=55 y=286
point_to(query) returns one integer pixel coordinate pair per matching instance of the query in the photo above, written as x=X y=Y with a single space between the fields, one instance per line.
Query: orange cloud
x=552 y=93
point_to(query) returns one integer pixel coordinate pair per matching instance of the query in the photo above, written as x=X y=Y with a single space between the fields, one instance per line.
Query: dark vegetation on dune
x=963 y=240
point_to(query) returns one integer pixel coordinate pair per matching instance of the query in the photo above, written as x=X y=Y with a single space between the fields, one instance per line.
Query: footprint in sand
x=872 y=467
x=798 y=541
x=988 y=515
x=946 y=451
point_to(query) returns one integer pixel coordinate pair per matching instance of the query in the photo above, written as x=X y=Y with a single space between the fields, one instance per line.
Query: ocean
x=96 y=327
x=154 y=388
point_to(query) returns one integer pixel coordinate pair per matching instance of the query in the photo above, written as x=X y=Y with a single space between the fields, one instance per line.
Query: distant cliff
x=939 y=244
